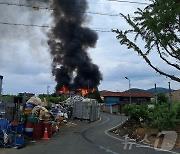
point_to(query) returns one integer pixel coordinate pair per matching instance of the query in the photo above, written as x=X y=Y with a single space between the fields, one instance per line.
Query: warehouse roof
x=126 y=94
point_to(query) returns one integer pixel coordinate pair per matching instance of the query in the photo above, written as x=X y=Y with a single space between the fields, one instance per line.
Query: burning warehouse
x=69 y=41
x=83 y=92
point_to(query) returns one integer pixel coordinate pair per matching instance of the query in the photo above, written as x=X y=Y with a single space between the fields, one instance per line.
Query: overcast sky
x=25 y=61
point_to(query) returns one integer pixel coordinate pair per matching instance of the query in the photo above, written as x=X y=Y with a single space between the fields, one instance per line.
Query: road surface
x=92 y=138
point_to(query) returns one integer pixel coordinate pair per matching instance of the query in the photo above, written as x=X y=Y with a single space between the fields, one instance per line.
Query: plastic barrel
x=48 y=125
x=32 y=118
x=37 y=131
x=20 y=128
x=18 y=140
x=29 y=129
x=23 y=118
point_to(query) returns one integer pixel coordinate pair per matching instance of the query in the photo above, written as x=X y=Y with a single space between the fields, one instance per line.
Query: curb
x=136 y=143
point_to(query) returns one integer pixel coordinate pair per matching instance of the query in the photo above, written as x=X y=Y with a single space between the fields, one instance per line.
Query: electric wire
x=46 y=26
x=121 y=1
x=129 y=2
x=55 y=9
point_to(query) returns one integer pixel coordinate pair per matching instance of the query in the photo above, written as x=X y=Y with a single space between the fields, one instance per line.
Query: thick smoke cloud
x=69 y=41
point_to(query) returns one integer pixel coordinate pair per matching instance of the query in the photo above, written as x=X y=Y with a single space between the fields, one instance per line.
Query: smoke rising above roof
x=69 y=41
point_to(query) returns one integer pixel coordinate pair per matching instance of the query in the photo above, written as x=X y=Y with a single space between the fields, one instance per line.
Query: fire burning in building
x=86 y=91
x=65 y=90
x=69 y=41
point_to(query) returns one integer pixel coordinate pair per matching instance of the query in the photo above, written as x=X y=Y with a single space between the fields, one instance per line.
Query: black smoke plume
x=69 y=41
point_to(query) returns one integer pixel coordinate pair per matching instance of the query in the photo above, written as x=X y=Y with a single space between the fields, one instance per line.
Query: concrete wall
x=110 y=109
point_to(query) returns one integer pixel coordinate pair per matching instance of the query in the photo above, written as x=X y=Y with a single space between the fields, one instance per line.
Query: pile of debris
x=40 y=121
x=37 y=122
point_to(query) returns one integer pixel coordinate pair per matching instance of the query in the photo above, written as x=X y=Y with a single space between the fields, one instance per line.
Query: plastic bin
x=32 y=118
x=37 y=131
x=19 y=129
x=18 y=140
x=29 y=129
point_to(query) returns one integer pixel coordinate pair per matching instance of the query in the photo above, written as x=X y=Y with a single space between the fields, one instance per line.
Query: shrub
x=161 y=116
x=176 y=108
x=136 y=112
x=162 y=98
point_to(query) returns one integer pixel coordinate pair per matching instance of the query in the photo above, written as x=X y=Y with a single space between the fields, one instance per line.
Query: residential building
x=113 y=101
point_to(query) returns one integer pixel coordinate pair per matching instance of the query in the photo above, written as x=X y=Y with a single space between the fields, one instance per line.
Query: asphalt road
x=92 y=138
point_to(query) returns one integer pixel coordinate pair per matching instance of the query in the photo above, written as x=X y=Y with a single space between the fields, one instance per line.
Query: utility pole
x=155 y=94
x=47 y=101
x=88 y=90
x=170 y=95
x=129 y=89
x=48 y=91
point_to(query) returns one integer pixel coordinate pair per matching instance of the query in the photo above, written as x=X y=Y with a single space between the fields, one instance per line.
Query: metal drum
x=37 y=131
x=29 y=129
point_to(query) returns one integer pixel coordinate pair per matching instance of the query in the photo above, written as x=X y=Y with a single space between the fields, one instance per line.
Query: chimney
x=1 y=79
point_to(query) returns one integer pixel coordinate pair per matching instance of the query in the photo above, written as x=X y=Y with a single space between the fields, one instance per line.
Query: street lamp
x=129 y=89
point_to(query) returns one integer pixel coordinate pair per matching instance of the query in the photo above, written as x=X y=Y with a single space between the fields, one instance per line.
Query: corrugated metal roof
x=126 y=94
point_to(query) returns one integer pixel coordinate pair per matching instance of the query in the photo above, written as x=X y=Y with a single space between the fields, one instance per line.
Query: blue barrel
x=19 y=128
x=18 y=140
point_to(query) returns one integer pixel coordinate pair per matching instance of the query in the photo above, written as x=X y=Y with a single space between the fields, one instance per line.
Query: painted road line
x=107 y=150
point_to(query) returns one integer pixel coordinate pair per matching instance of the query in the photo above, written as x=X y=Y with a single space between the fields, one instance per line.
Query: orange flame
x=64 y=90
x=86 y=91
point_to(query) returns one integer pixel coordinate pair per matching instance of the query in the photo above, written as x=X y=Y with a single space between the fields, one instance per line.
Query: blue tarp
x=4 y=124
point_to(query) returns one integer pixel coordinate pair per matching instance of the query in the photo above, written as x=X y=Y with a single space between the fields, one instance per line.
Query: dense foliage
x=158 y=26
x=162 y=98
x=163 y=115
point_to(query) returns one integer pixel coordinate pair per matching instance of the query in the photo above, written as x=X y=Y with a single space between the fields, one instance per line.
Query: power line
x=46 y=26
x=55 y=9
x=103 y=3
x=128 y=2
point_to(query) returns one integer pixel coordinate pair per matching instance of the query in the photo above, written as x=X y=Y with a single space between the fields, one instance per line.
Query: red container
x=48 y=125
x=29 y=127
x=37 y=131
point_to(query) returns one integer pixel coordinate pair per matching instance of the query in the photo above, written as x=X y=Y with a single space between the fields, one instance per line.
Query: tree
x=158 y=25
x=162 y=98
